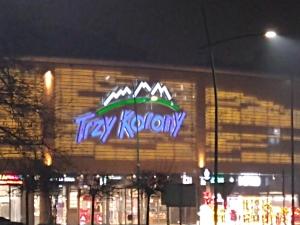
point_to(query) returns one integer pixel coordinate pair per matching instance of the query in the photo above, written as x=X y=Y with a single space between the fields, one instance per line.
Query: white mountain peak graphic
x=116 y=95
x=143 y=85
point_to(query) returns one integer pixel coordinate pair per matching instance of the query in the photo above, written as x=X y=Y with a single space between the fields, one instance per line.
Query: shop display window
x=60 y=206
x=10 y=202
x=85 y=210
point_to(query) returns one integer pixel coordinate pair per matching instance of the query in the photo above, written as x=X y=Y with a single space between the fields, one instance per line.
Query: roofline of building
x=141 y=65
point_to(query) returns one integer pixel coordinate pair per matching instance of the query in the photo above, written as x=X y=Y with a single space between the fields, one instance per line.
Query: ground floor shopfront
x=74 y=206
x=10 y=202
x=250 y=199
x=251 y=210
x=71 y=204
x=121 y=208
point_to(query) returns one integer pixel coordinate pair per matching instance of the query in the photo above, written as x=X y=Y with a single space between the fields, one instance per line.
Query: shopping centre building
x=111 y=121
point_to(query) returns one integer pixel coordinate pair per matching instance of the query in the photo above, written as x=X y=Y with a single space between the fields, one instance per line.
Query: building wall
x=254 y=124
x=20 y=124
x=254 y=121
x=79 y=90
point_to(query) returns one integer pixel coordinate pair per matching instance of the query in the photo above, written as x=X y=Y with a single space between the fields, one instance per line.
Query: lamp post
x=216 y=125
x=138 y=163
x=292 y=151
x=210 y=46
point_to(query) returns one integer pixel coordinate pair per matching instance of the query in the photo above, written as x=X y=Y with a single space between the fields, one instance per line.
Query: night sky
x=163 y=32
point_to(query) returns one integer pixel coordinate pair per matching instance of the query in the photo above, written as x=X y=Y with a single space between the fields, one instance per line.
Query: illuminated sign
x=10 y=179
x=220 y=179
x=67 y=179
x=73 y=199
x=112 y=177
x=128 y=123
x=64 y=179
x=186 y=179
x=249 y=180
x=206 y=174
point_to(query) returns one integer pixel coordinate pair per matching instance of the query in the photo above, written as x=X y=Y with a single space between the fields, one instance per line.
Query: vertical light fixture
x=47 y=158
x=48 y=81
x=48 y=91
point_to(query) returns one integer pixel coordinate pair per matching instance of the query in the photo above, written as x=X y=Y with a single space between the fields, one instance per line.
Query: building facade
x=112 y=124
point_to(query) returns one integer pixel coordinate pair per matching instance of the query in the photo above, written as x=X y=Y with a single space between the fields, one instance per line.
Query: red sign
x=10 y=179
x=85 y=217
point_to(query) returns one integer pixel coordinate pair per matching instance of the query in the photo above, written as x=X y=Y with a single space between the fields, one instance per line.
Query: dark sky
x=164 y=32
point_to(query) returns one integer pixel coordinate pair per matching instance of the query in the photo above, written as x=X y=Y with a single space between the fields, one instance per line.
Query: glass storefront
x=121 y=208
x=10 y=202
x=58 y=206
x=118 y=208
x=250 y=210
x=36 y=208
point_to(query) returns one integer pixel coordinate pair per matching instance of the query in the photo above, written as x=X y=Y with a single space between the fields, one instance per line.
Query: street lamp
x=292 y=151
x=270 y=34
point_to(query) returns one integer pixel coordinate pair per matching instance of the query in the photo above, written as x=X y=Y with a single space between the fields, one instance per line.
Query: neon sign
x=10 y=179
x=128 y=123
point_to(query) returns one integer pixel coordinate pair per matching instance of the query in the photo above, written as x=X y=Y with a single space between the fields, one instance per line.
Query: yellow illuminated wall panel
x=31 y=123
x=249 y=128
x=81 y=90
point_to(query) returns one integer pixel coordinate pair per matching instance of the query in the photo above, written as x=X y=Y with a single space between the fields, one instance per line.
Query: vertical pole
x=168 y=215
x=180 y=215
x=9 y=201
x=180 y=207
x=292 y=151
x=138 y=203
x=78 y=205
x=125 y=196
x=93 y=208
x=131 y=192
x=45 y=205
x=216 y=168
x=268 y=208
x=27 y=206
x=212 y=67
x=148 y=208
x=137 y=160
x=283 y=196
x=107 y=210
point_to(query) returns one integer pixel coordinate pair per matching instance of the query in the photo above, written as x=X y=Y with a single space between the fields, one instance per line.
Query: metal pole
x=125 y=196
x=283 y=196
x=9 y=196
x=27 y=206
x=148 y=209
x=137 y=160
x=78 y=205
x=180 y=207
x=292 y=151
x=131 y=193
x=216 y=169
x=212 y=67
x=168 y=215
x=93 y=207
